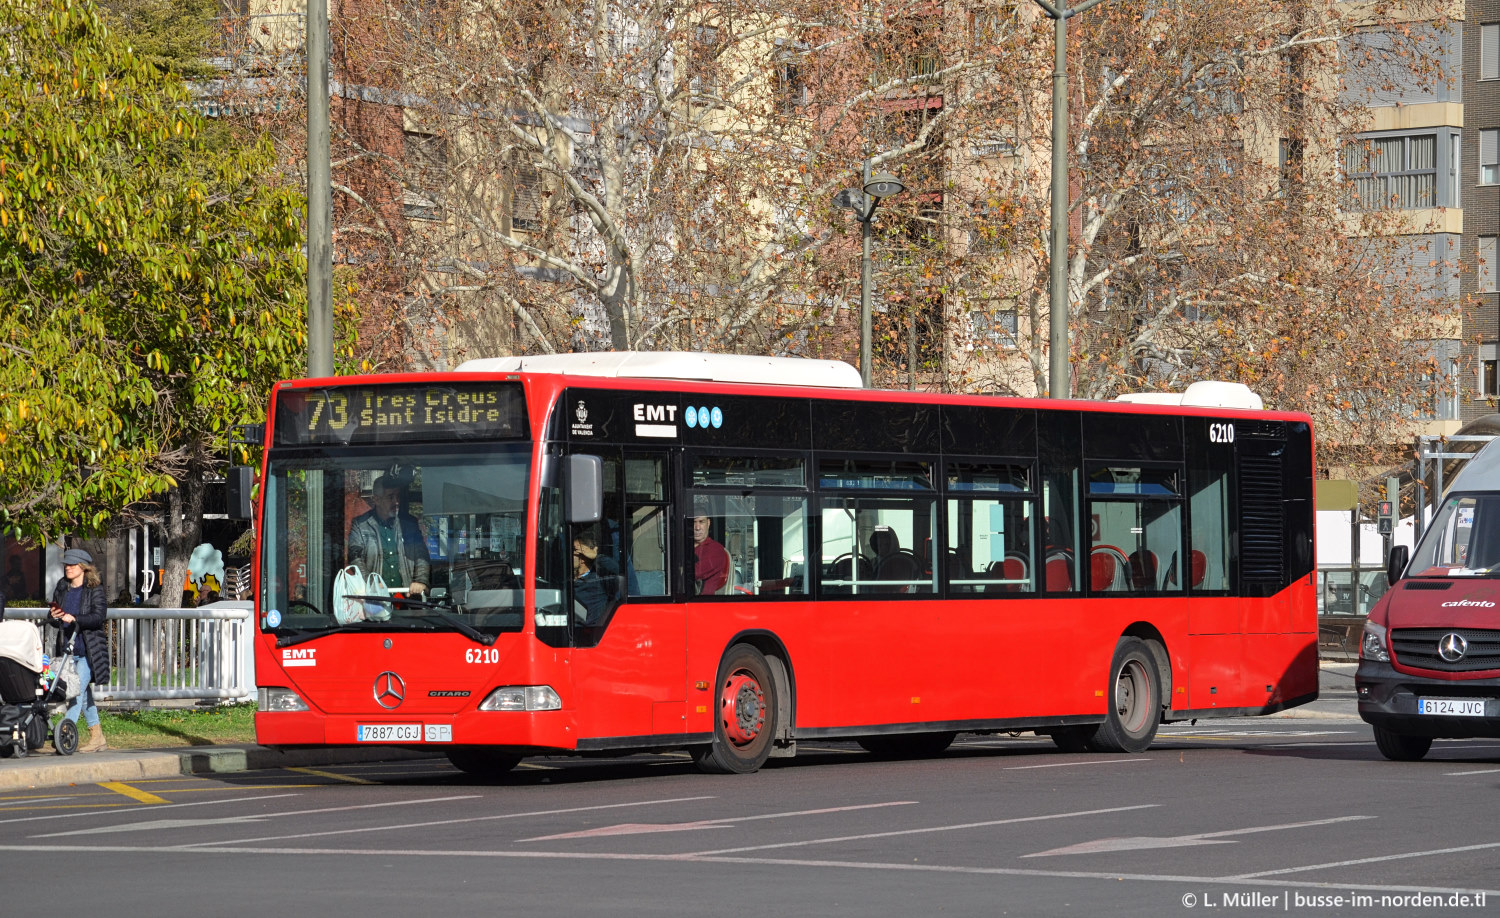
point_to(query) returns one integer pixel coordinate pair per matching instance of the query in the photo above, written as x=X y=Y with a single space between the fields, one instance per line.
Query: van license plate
x=390 y=733
x=1451 y=707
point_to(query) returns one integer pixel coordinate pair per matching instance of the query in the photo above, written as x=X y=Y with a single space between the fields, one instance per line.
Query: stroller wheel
x=65 y=737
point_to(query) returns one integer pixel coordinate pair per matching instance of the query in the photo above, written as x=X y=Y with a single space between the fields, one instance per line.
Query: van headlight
x=522 y=698
x=1372 y=644
x=278 y=699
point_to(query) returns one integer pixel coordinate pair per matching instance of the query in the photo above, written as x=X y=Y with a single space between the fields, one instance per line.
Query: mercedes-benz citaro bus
x=622 y=552
x=1429 y=658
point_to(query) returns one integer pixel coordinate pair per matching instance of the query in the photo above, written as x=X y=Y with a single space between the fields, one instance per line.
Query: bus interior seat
x=1143 y=569
x=842 y=570
x=1059 y=570
x=898 y=565
x=1108 y=568
x=1199 y=565
x=1013 y=568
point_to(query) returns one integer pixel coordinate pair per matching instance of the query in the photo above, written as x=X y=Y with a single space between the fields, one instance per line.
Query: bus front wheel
x=746 y=716
x=1134 y=710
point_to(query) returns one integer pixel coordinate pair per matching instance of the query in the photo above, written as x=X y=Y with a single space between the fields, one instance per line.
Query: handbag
x=375 y=586
x=348 y=585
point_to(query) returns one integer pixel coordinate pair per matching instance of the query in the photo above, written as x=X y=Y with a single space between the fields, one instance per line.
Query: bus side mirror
x=237 y=487
x=585 y=489
x=1396 y=563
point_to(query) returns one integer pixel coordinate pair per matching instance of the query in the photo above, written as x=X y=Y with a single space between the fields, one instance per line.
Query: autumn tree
x=1215 y=230
x=154 y=286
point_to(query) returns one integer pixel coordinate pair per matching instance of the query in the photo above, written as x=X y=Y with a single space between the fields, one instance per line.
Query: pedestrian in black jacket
x=79 y=608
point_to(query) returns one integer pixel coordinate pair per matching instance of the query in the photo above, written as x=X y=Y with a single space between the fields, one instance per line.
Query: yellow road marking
x=133 y=793
x=328 y=774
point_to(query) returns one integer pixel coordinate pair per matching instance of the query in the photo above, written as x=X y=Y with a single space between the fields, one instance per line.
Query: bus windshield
x=1462 y=540
x=421 y=538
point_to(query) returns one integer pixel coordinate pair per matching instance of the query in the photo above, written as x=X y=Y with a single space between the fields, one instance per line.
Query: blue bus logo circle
x=703 y=418
x=718 y=417
x=692 y=417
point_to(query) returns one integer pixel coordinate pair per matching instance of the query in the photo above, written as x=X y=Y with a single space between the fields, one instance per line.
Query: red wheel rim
x=742 y=709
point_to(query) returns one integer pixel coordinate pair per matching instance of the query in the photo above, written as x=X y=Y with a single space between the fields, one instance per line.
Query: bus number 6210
x=482 y=655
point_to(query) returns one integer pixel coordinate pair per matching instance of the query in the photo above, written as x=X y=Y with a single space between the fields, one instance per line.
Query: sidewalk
x=48 y=769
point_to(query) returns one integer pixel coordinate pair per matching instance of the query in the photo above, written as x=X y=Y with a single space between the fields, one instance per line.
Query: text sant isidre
x=431 y=407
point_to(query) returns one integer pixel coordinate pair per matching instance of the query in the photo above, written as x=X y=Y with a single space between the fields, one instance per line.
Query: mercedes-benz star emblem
x=1452 y=647
x=389 y=690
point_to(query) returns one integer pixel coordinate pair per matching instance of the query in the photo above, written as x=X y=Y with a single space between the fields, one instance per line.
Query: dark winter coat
x=89 y=623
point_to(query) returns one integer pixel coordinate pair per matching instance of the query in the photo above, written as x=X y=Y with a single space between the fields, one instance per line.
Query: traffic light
x=1387 y=517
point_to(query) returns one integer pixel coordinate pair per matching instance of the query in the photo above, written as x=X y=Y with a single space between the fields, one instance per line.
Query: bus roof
x=735 y=368
x=1204 y=394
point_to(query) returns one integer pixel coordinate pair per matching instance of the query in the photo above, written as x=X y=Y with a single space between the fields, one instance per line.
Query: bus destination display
x=397 y=413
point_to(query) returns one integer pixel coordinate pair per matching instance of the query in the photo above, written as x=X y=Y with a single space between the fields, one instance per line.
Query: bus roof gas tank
x=735 y=368
x=1203 y=394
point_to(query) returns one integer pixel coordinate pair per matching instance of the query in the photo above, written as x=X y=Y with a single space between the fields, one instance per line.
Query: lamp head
x=883 y=185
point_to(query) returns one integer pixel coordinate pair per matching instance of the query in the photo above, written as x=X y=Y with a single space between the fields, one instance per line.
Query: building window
x=1484 y=270
x=1489 y=370
x=426 y=176
x=1399 y=172
x=1489 y=51
x=1489 y=157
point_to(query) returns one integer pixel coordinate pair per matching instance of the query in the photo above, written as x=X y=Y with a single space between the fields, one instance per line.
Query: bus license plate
x=390 y=733
x=1451 y=707
x=439 y=733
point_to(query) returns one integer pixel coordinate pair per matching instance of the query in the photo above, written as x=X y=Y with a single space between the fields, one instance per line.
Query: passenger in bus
x=891 y=562
x=710 y=560
x=389 y=541
x=590 y=587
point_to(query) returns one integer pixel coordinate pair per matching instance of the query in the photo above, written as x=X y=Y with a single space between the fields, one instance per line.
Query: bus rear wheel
x=907 y=745
x=482 y=762
x=746 y=717
x=1399 y=747
x=1134 y=710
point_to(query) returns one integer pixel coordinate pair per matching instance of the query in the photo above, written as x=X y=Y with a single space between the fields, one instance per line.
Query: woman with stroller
x=79 y=608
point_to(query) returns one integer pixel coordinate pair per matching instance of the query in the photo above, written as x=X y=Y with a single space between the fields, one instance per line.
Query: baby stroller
x=31 y=688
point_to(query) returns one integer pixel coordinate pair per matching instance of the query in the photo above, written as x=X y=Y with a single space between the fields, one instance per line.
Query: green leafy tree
x=153 y=286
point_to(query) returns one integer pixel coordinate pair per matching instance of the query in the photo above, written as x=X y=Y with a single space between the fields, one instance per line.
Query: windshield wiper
x=303 y=635
x=440 y=610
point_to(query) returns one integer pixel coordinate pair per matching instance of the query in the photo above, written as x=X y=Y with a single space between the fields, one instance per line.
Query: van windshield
x=1462 y=540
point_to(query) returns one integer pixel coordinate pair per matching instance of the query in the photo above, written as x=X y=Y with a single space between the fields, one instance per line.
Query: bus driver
x=389 y=541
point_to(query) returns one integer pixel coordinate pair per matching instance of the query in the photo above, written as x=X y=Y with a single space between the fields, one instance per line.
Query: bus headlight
x=522 y=698
x=279 y=699
x=1372 y=644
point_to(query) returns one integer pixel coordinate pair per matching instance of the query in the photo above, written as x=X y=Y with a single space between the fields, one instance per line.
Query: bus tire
x=907 y=745
x=1134 y=708
x=481 y=762
x=1400 y=747
x=746 y=715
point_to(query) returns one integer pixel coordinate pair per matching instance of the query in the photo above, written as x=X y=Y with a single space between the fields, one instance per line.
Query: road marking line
x=132 y=792
x=1120 y=761
x=452 y=822
x=169 y=806
x=26 y=801
x=251 y=817
x=929 y=829
x=639 y=828
x=363 y=854
x=1142 y=842
x=1460 y=774
x=1363 y=860
x=330 y=775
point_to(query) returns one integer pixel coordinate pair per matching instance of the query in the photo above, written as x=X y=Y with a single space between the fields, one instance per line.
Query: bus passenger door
x=1214 y=643
x=630 y=665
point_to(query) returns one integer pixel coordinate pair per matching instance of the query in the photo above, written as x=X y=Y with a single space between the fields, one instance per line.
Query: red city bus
x=617 y=552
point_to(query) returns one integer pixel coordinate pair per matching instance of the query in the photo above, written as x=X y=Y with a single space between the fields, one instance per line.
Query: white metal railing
x=159 y=654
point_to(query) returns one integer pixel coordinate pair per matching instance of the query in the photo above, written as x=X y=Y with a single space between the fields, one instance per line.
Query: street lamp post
x=1057 y=259
x=319 y=197
x=863 y=203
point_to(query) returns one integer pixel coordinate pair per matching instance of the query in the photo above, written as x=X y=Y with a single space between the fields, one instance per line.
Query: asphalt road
x=1279 y=815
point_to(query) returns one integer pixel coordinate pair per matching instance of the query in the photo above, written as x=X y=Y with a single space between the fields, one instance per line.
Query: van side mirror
x=585 y=489
x=1395 y=565
x=238 y=484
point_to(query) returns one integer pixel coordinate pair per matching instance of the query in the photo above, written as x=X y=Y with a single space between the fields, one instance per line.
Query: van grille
x=1419 y=647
